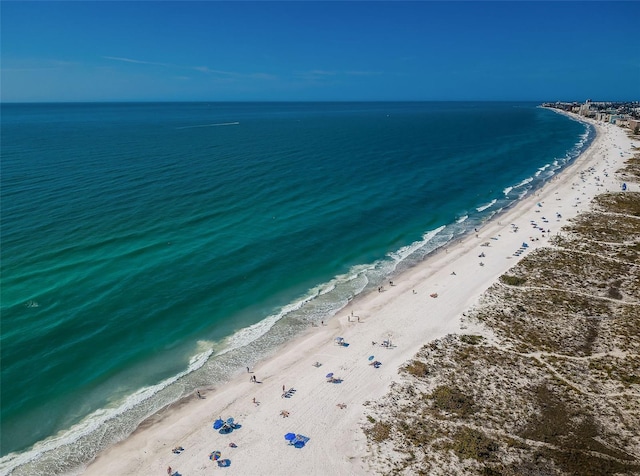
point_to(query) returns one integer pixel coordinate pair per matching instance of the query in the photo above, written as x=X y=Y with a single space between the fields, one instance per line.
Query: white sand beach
x=423 y=304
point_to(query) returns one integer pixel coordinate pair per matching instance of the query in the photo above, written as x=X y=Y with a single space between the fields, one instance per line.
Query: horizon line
x=200 y=101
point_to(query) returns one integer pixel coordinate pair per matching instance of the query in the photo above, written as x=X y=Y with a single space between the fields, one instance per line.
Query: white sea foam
x=243 y=337
x=96 y=419
x=487 y=205
x=249 y=334
x=328 y=289
x=507 y=190
x=524 y=182
x=462 y=219
x=405 y=251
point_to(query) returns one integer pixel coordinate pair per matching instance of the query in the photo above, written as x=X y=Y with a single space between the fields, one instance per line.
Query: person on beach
x=169 y=470
x=283 y=389
x=198 y=393
x=247 y=369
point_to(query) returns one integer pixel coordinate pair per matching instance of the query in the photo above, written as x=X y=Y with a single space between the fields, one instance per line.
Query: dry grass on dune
x=631 y=170
x=552 y=386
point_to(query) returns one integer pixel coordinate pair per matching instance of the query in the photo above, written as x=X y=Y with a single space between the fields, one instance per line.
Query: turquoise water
x=149 y=249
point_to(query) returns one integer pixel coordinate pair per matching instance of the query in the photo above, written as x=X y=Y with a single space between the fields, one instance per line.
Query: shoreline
x=405 y=313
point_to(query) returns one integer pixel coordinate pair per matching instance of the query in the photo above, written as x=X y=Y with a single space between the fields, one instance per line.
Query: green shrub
x=470 y=443
x=471 y=339
x=451 y=399
x=380 y=431
x=417 y=368
x=512 y=280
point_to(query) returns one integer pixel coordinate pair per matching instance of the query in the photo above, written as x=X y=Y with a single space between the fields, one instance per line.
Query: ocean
x=150 y=249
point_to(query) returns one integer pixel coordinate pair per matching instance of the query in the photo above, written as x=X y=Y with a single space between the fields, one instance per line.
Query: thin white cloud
x=207 y=70
x=135 y=61
x=363 y=73
x=265 y=76
x=320 y=74
x=200 y=69
x=315 y=75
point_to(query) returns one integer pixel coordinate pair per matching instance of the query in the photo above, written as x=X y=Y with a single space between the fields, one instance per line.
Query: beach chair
x=289 y=393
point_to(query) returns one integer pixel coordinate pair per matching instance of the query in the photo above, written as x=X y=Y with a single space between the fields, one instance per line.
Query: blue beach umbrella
x=329 y=375
x=290 y=436
x=218 y=424
x=371 y=357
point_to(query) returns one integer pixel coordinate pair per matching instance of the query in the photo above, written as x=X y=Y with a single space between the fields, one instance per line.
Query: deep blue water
x=148 y=249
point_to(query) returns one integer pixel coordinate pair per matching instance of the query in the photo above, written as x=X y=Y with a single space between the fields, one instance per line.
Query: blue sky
x=324 y=51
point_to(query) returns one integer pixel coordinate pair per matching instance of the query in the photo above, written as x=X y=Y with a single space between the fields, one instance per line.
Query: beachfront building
x=585 y=109
x=622 y=114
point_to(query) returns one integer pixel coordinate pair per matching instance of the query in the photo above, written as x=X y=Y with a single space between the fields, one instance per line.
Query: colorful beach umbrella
x=214 y=456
